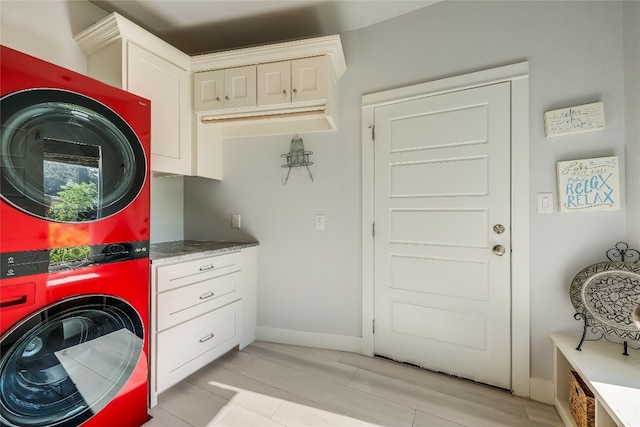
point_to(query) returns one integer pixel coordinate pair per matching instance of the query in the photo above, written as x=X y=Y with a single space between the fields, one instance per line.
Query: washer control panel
x=27 y=263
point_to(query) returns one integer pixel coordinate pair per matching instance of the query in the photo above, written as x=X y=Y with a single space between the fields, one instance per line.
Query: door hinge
x=373 y=325
x=373 y=132
x=373 y=229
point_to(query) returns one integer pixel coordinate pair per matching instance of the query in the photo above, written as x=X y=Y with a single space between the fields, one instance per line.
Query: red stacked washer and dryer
x=74 y=244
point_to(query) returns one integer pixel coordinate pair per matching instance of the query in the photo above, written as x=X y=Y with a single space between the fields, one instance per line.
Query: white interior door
x=442 y=233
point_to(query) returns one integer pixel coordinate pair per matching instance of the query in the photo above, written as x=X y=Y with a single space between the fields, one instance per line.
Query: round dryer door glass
x=66 y=157
x=64 y=364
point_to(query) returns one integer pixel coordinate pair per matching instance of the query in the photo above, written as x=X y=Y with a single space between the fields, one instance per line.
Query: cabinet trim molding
x=116 y=27
x=330 y=46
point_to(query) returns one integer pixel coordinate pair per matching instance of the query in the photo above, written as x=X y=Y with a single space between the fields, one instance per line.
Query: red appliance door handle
x=12 y=302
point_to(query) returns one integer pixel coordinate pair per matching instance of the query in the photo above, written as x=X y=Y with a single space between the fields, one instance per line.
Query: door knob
x=498 y=228
x=499 y=250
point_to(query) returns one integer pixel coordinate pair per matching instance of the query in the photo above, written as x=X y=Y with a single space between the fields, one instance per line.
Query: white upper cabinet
x=309 y=79
x=220 y=89
x=166 y=86
x=240 y=87
x=124 y=55
x=208 y=90
x=296 y=89
x=293 y=82
x=289 y=85
x=274 y=83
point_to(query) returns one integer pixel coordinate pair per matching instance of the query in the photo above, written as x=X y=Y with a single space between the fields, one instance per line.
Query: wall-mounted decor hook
x=297 y=157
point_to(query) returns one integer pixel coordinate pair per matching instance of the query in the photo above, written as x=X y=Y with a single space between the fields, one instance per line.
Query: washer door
x=66 y=157
x=64 y=364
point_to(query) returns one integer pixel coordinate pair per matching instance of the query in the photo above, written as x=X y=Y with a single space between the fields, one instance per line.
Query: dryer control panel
x=17 y=264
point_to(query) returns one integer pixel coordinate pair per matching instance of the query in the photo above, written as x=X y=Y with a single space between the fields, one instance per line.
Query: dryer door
x=66 y=157
x=62 y=365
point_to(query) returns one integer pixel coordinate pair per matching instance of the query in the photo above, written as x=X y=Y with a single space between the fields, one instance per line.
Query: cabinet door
x=309 y=79
x=240 y=87
x=167 y=86
x=208 y=90
x=274 y=83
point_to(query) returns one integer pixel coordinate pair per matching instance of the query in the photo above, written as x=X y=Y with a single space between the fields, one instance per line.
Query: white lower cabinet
x=200 y=309
x=613 y=378
x=193 y=344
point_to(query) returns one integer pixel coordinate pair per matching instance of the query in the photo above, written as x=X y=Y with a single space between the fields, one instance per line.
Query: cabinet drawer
x=187 y=273
x=185 y=303
x=188 y=347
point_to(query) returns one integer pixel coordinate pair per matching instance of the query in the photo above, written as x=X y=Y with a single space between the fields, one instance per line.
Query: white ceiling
x=197 y=26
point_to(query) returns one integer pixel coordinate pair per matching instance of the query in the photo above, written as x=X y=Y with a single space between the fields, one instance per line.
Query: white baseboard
x=309 y=339
x=541 y=390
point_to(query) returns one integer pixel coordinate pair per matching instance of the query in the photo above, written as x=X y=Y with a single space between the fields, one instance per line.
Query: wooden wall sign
x=589 y=185
x=567 y=121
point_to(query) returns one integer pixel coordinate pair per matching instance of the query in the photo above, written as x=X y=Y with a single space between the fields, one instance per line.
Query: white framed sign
x=589 y=185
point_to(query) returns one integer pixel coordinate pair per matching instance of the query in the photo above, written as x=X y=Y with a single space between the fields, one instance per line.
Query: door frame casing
x=518 y=75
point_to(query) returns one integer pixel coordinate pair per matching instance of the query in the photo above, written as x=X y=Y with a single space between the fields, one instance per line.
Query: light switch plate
x=319 y=222
x=235 y=221
x=545 y=202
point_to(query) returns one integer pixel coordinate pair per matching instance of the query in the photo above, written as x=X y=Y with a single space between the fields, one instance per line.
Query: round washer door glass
x=66 y=157
x=64 y=364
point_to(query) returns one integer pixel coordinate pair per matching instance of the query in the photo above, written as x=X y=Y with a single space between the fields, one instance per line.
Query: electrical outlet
x=235 y=221
x=319 y=222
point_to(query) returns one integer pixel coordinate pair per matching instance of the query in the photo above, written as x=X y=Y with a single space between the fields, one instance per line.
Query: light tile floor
x=269 y=384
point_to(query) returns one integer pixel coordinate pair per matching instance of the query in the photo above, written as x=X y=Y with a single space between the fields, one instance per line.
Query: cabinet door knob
x=226 y=97
x=284 y=91
x=218 y=99
x=295 y=90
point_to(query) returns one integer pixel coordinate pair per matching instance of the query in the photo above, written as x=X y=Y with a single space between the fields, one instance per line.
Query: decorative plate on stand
x=607 y=294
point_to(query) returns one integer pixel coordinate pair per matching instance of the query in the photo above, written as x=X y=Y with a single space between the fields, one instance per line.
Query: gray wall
x=310 y=280
x=45 y=29
x=632 y=114
x=167 y=209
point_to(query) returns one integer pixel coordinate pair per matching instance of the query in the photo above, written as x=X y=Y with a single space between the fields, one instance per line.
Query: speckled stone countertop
x=181 y=250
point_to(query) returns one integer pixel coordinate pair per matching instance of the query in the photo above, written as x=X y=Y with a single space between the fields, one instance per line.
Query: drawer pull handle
x=207 y=338
x=208 y=267
x=207 y=295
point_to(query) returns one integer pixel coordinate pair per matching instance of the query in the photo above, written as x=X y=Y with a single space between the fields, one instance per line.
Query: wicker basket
x=581 y=401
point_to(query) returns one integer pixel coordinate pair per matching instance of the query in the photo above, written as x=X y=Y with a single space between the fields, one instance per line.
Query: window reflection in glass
x=71 y=178
x=71 y=257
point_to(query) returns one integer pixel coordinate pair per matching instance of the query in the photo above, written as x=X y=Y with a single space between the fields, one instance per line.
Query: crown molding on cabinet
x=330 y=46
x=116 y=27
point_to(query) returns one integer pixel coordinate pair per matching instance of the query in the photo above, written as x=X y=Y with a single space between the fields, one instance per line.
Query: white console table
x=613 y=378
